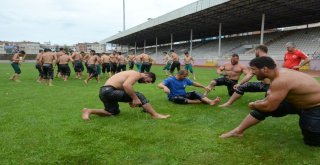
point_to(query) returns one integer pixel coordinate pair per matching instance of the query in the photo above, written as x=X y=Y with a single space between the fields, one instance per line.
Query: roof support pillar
x=135 y=48
x=191 y=31
x=262 y=28
x=219 y=49
x=171 y=41
x=128 y=49
x=156 y=46
x=144 y=46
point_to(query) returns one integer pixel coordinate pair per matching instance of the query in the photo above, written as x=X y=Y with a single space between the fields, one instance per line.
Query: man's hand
x=207 y=89
x=166 y=90
x=236 y=86
x=251 y=105
x=296 y=67
x=135 y=102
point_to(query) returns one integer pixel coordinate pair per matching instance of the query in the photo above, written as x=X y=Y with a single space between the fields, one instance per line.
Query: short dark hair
x=262 y=48
x=22 y=52
x=182 y=72
x=263 y=61
x=235 y=55
x=93 y=51
x=61 y=49
x=151 y=75
x=171 y=50
x=186 y=52
x=119 y=53
x=164 y=52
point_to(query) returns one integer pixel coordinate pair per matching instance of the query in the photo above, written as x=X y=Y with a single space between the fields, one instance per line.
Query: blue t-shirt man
x=177 y=87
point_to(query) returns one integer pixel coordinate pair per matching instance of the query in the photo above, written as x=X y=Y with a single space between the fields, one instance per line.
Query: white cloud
x=73 y=21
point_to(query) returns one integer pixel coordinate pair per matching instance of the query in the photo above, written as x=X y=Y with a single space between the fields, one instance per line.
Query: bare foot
x=85 y=82
x=233 y=133
x=159 y=116
x=215 y=101
x=17 y=80
x=85 y=114
x=224 y=105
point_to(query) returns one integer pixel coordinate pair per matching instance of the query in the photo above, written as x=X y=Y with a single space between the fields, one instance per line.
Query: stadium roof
x=204 y=16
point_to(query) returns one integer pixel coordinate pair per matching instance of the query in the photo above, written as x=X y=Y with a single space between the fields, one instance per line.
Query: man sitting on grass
x=118 y=88
x=175 y=88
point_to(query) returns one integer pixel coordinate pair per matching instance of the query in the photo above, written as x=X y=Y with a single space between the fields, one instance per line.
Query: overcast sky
x=73 y=21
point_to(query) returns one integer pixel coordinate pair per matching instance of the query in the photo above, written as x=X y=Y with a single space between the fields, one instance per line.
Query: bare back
x=15 y=58
x=301 y=90
x=48 y=57
x=59 y=54
x=76 y=56
x=118 y=79
x=145 y=57
x=64 y=59
x=38 y=57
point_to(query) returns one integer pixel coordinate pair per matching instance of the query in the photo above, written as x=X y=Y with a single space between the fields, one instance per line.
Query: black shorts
x=65 y=69
x=145 y=67
x=309 y=121
x=39 y=68
x=59 y=69
x=252 y=87
x=78 y=67
x=131 y=64
x=86 y=65
x=105 y=67
x=184 y=98
x=47 y=71
x=175 y=64
x=122 y=67
x=227 y=82
x=92 y=70
x=110 y=97
x=113 y=67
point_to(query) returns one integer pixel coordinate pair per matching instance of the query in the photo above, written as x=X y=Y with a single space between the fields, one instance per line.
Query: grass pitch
x=43 y=125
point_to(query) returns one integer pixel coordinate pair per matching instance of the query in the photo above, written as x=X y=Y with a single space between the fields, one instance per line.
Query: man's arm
x=220 y=69
x=248 y=76
x=277 y=93
x=70 y=58
x=165 y=88
x=128 y=88
x=73 y=55
x=192 y=61
x=304 y=62
x=305 y=58
x=200 y=85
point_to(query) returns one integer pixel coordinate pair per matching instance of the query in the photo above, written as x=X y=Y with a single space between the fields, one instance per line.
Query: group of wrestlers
x=287 y=90
x=108 y=64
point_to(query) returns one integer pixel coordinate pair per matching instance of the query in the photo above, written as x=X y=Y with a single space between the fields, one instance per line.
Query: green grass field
x=43 y=125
